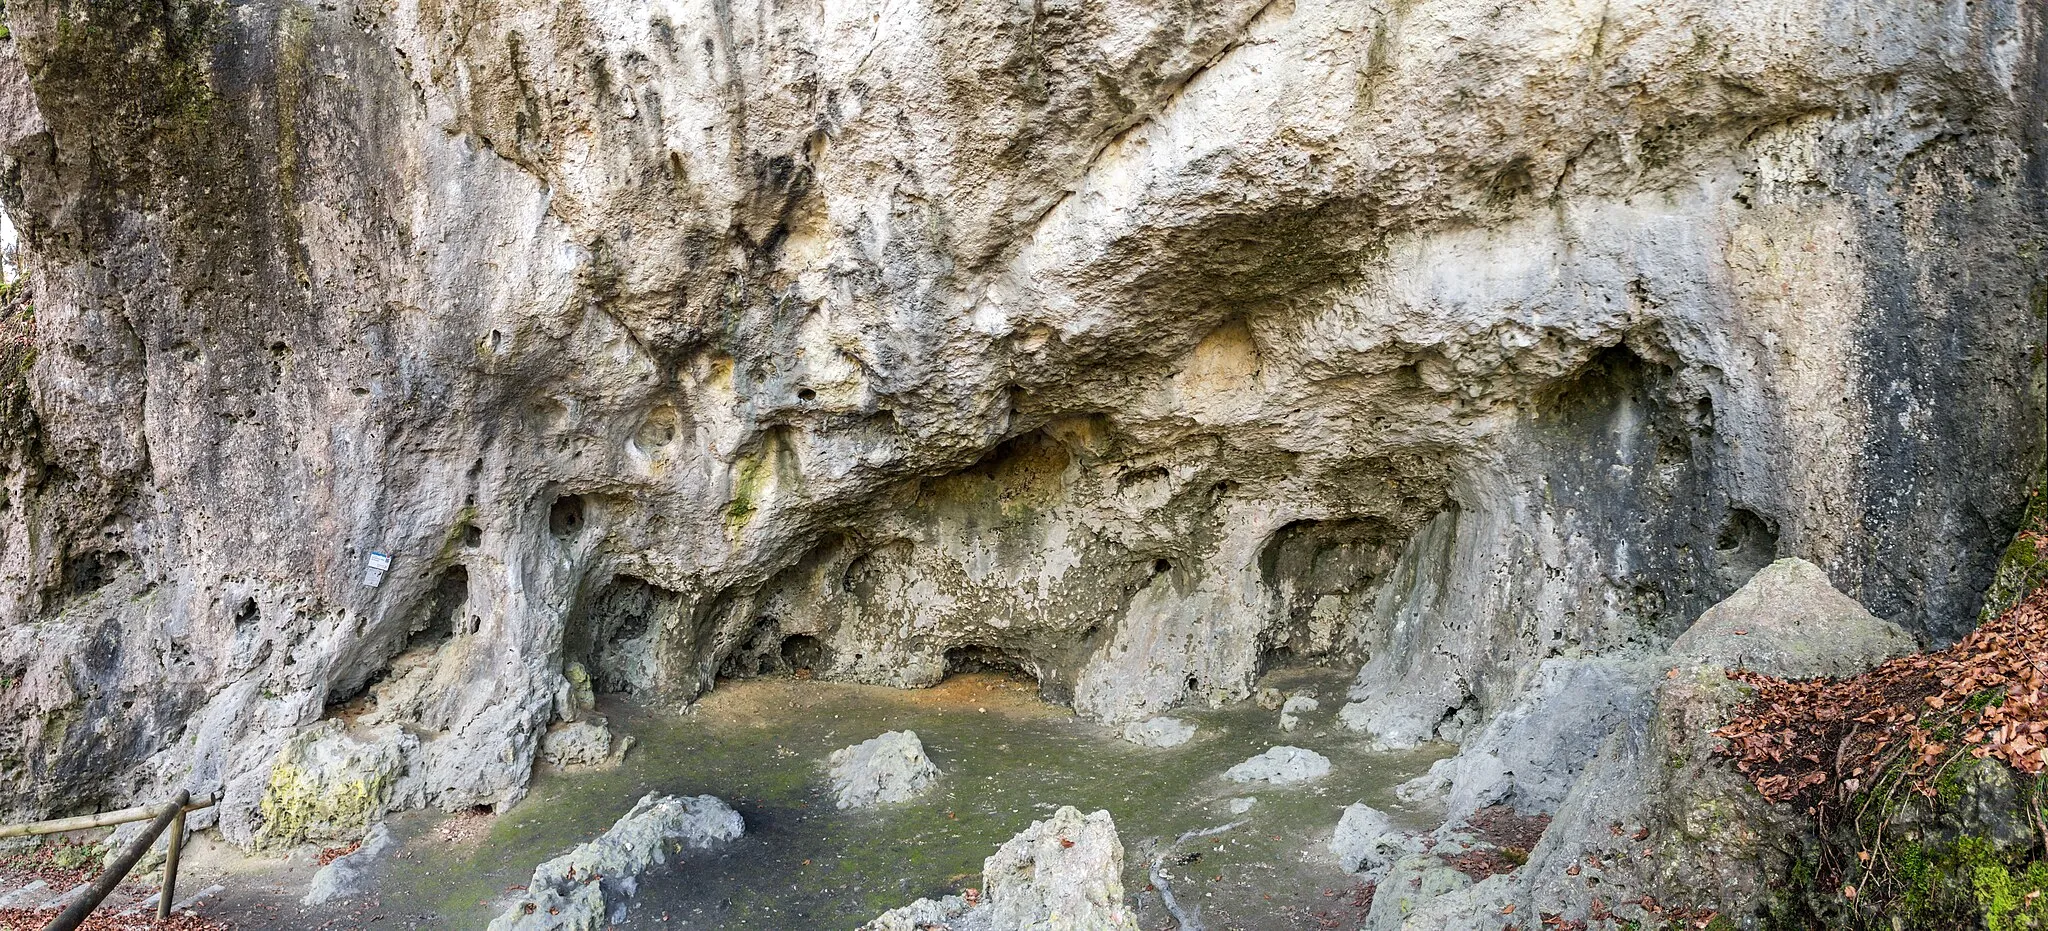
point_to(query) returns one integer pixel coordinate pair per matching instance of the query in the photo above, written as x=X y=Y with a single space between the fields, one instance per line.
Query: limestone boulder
x=1065 y=872
x=881 y=770
x=329 y=784
x=1366 y=842
x=1789 y=620
x=1620 y=752
x=1159 y=733
x=348 y=876
x=588 y=887
x=1281 y=766
x=577 y=743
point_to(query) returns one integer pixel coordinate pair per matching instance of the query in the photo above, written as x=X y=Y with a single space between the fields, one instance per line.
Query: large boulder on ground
x=1789 y=621
x=885 y=769
x=349 y=876
x=1061 y=874
x=1367 y=842
x=1159 y=732
x=1531 y=753
x=1281 y=766
x=588 y=887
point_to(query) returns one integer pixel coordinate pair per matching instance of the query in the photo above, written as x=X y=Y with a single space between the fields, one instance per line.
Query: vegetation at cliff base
x=1924 y=776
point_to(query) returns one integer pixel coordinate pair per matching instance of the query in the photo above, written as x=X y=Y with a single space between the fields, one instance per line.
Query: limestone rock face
x=581 y=743
x=1132 y=346
x=1281 y=766
x=587 y=888
x=1533 y=751
x=327 y=785
x=1063 y=872
x=1789 y=621
x=881 y=770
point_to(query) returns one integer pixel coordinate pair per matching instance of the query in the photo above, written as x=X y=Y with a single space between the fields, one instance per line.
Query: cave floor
x=1007 y=757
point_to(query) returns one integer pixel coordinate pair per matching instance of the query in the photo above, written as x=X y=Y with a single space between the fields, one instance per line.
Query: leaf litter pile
x=24 y=919
x=1816 y=742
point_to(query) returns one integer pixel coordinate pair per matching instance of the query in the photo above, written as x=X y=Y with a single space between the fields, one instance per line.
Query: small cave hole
x=88 y=572
x=1162 y=566
x=472 y=536
x=1747 y=542
x=802 y=652
x=247 y=618
x=565 y=516
x=806 y=394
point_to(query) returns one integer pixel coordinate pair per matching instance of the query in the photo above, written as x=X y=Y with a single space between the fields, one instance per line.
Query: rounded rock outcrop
x=882 y=770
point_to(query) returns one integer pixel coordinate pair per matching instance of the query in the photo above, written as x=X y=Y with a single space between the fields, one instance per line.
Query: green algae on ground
x=1008 y=758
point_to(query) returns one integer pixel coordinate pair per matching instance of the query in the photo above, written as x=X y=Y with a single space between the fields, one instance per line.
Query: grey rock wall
x=1134 y=346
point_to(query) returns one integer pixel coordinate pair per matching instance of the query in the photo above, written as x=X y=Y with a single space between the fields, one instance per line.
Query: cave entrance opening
x=983 y=658
x=803 y=654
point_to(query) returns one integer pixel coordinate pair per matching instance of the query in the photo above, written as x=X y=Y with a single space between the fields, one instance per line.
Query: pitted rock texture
x=582 y=743
x=1159 y=733
x=881 y=770
x=1063 y=872
x=1281 y=766
x=1366 y=842
x=1133 y=347
x=588 y=887
x=1621 y=752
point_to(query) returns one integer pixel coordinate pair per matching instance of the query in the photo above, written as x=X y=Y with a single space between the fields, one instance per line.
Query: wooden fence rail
x=168 y=816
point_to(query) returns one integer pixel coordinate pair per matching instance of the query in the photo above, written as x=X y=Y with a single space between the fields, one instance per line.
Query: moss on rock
x=328 y=785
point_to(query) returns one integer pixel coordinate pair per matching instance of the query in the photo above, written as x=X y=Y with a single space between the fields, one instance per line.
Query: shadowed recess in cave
x=985 y=658
x=613 y=633
x=1322 y=572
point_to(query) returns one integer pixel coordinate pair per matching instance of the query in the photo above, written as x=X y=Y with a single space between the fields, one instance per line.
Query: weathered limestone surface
x=581 y=743
x=1130 y=345
x=1620 y=752
x=1281 y=766
x=881 y=770
x=588 y=887
x=1366 y=842
x=349 y=876
x=1159 y=733
x=1063 y=872
x=1788 y=621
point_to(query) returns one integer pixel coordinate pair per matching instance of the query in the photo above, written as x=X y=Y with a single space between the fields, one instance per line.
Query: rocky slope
x=1131 y=345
